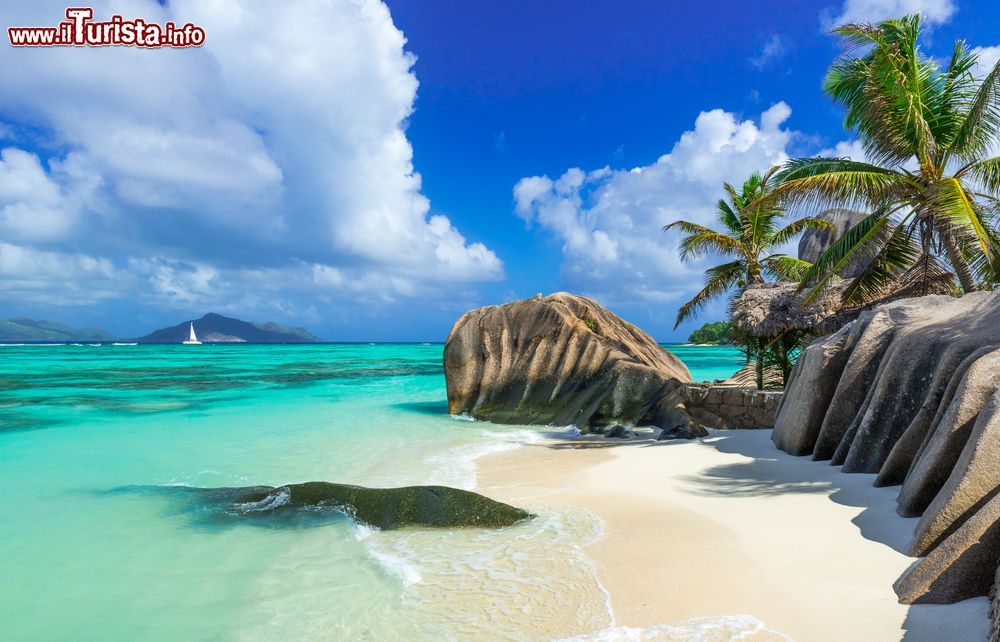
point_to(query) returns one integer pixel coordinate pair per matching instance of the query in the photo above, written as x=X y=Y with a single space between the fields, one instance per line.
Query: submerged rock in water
x=911 y=391
x=385 y=508
x=562 y=360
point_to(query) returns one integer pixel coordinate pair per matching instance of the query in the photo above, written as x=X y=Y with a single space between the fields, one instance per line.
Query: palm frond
x=953 y=203
x=719 y=280
x=701 y=240
x=838 y=181
x=810 y=222
x=785 y=268
x=981 y=119
x=728 y=216
x=865 y=238
x=986 y=172
x=897 y=255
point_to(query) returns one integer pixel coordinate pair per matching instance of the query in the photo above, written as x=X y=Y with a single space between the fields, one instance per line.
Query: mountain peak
x=216 y=328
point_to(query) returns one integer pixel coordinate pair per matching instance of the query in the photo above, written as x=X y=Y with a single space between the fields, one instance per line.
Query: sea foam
x=722 y=628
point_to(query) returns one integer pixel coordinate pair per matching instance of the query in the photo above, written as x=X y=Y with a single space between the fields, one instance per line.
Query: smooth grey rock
x=814 y=242
x=619 y=432
x=385 y=508
x=944 y=444
x=995 y=609
x=916 y=403
x=963 y=566
x=868 y=335
x=904 y=384
x=805 y=403
x=897 y=466
x=974 y=479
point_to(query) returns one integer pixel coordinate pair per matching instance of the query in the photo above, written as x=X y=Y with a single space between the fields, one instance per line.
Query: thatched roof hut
x=769 y=310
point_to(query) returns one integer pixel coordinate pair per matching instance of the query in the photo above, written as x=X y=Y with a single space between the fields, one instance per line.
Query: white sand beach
x=730 y=526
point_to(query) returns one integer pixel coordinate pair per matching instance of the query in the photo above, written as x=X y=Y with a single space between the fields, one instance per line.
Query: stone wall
x=731 y=407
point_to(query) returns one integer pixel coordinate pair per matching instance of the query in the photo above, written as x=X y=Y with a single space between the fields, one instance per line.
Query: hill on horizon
x=215 y=328
x=25 y=329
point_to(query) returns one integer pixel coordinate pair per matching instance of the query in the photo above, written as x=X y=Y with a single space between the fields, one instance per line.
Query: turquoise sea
x=98 y=541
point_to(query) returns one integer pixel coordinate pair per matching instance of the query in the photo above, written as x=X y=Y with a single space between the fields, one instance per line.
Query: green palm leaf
x=896 y=256
x=981 y=120
x=701 y=240
x=796 y=227
x=785 y=268
x=865 y=238
x=719 y=280
x=953 y=202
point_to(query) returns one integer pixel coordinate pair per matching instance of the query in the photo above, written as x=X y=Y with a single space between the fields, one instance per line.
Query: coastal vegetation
x=717 y=333
x=928 y=180
x=928 y=189
x=754 y=228
x=751 y=221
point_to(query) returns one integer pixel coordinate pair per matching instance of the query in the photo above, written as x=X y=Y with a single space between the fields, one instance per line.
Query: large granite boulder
x=563 y=360
x=915 y=400
x=814 y=242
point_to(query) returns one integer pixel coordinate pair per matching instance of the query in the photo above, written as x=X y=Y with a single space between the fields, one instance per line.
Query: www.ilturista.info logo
x=79 y=30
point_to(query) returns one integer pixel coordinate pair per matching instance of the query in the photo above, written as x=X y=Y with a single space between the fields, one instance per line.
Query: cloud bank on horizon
x=267 y=168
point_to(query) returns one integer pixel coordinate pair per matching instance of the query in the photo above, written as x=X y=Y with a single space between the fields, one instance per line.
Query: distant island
x=719 y=332
x=211 y=328
x=215 y=328
x=25 y=329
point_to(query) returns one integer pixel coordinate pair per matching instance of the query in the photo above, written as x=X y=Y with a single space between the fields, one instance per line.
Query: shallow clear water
x=708 y=363
x=95 y=546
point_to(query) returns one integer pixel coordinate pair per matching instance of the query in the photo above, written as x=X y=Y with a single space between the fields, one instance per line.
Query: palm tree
x=927 y=132
x=751 y=231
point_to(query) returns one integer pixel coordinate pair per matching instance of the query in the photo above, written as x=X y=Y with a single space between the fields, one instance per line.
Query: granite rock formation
x=814 y=242
x=911 y=391
x=563 y=360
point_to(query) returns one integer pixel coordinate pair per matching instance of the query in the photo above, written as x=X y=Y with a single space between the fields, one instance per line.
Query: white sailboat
x=192 y=339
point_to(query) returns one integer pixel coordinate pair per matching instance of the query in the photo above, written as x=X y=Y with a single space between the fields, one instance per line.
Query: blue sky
x=372 y=171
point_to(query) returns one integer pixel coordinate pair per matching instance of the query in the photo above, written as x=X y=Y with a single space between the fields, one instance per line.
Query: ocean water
x=707 y=362
x=99 y=541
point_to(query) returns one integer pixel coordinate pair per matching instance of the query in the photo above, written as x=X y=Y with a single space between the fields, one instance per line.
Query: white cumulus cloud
x=609 y=221
x=988 y=57
x=935 y=12
x=277 y=151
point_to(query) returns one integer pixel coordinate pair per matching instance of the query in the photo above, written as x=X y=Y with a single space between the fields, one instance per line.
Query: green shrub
x=718 y=332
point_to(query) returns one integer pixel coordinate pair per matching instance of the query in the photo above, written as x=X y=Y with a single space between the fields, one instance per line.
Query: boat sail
x=192 y=339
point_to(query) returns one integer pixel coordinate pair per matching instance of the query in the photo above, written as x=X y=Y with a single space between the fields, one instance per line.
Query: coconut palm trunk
x=958 y=262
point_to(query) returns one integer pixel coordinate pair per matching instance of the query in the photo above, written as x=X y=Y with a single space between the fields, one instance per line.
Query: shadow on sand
x=769 y=472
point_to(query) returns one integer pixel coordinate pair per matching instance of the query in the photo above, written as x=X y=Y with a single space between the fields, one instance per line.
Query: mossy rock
x=385 y=508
